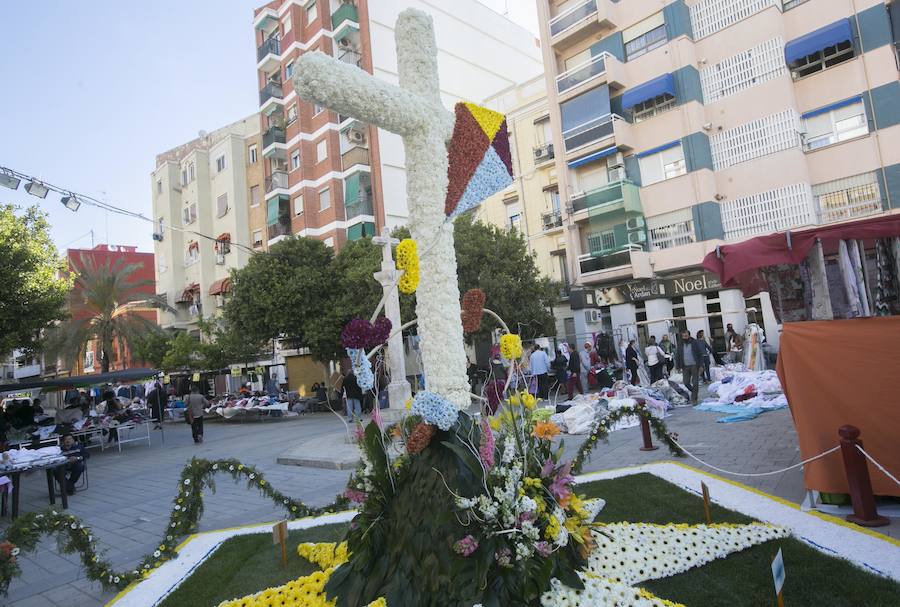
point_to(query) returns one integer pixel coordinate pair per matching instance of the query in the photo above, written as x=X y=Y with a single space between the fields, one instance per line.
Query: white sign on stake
x=778 y=572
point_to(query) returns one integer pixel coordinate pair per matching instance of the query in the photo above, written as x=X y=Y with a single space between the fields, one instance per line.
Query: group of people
x=568 y=368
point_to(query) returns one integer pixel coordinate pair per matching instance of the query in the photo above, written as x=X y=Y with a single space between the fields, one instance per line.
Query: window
x=553 y=199
x=257 y=238
x=159 y=186
x=644 y=36
x=254 y=196
x=848 y=198
x=586 y=118
x=766 y=135
x=191 y=175
x=601 y=241
x=222 y=205
x=671 y=230
x=822 y=60
x=324 y=199
x=662 y=165
x=223 y=247
x=317 y=109
x=286 y=24
x=514 y=217
x=295 y=160
x=329 y=242
x=289 y=70
x=827 y=126
x=769 y=211
x=789 y=4
x=298 y=205
x=220 y=163
x=184 y=176
x=252 y=154
x=193 y=253
x=322 y=150
x=312 y=12
x=651 y=107
x=189 y=213
x=292 y=113
x=577 y=59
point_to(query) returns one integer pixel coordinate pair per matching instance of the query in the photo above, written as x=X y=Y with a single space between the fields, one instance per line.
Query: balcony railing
x=543 y=153
x=282 y=228
x=271 y=90
x=571 y=17
x=551 y=220
x=275 y=134
x=594 y=67
x=354 y=156
x=351 y=56
x=596 y=129
x=272 y=46
x=277 y=180
x=607 y=260
x=362 y=207
x=616 y=196
x=345 y=12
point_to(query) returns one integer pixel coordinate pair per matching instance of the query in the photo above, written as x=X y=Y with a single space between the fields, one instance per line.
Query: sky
x=94 y=90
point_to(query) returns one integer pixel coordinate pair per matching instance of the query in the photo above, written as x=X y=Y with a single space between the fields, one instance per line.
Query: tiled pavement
x=130 y=495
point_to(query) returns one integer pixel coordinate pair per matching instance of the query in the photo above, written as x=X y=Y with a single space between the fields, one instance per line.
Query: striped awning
x=592 y=157
x=223 y=285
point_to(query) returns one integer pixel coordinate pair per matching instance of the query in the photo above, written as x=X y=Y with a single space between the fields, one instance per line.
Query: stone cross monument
x=399 y=390
x=414 y=111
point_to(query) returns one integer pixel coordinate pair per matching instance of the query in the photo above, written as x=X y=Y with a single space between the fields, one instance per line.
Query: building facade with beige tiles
x=680 y=125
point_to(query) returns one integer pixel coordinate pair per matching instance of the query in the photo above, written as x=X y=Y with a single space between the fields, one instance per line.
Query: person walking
x=539 y=363
x=632 y=361
x=559 y=365
x=586 y=363
x=353 y=396
x=730 y=335
x=196 y=405
x=655 y=359
x=707 y=352
x=574 y=368
x=668 y=349
x=689 y=358
x=157 y=400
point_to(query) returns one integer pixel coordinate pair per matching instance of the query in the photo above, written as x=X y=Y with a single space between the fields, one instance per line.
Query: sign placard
x=195 y=377
x=778 y=575
x=641 y=290
x=279 y=537
x=706 y=509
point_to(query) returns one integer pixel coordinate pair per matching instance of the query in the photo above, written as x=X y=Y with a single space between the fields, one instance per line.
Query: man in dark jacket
x=157 y=401
x=574 y=369
x=689 y=358
x=75 y=455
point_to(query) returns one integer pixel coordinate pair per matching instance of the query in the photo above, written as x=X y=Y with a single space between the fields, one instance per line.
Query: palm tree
x=104 y=303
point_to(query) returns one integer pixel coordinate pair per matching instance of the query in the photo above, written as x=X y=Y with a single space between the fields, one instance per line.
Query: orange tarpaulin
x=838 y=372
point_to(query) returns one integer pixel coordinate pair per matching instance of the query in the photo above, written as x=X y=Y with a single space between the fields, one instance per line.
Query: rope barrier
x=756 y=474
x=877 y=465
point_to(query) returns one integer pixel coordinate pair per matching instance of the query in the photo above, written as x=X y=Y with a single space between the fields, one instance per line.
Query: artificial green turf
x=246 y=564
x=743 y=579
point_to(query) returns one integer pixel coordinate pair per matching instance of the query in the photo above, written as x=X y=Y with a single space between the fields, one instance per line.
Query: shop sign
x=641 y=290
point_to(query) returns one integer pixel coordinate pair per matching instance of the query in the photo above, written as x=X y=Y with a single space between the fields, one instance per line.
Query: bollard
x=645 y=430
x=857 y=470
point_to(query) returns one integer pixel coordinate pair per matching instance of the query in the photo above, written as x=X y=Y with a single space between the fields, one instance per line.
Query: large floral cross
x=414 y=111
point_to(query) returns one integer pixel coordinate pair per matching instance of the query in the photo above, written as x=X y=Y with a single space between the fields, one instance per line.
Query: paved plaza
x=130 y=495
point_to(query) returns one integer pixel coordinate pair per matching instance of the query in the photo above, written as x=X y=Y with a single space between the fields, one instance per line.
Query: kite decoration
x=480 y=163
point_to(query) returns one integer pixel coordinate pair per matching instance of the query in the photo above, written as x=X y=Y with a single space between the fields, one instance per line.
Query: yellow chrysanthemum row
x=408 y=262
x=325 y=555
x=511 y=346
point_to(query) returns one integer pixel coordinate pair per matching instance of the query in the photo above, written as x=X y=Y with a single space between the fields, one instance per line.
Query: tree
x=498 y=262
x=105 y=304
x=32 y=274
x=151 y=347
x=282 y=292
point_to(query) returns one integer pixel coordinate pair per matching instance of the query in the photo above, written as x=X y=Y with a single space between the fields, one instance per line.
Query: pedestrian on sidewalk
x=574 y=368
x=632 y=361
x=707 y=352
x=539 y=363
x=668 y=349
x=196 y=405
x=655 y=359
x=586 y=364
x=157 y=400
x=353 y=396
x=689 y=358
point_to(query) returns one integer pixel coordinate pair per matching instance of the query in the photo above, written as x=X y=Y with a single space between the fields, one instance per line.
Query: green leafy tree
x=151 y=347
x=183 y=352
x=223 y=346
x=282 y=292
x=31 y=272
x=105 y=305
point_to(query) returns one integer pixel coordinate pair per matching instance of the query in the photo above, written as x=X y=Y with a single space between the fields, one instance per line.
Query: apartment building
x=332 y=177
x=205 y=195
x=679 y=125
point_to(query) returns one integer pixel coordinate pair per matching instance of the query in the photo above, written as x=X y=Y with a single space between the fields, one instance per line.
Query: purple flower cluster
x=466 y=546
x=360 y=333
x=381 y=330
x=486 y=448
x=562 y=478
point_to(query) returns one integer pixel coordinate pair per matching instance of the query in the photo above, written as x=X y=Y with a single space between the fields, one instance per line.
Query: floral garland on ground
x=26 y=531
x=600 y=431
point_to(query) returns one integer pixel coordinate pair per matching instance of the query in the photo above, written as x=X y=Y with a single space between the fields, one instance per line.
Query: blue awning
x=659 y=148
x=592 y=157
x=833 y=106
x=661 y=85
x=813 y=42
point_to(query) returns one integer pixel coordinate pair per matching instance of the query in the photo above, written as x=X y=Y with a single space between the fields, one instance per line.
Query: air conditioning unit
x=616 y=173
x=637 y=237
x=593 y=316
x=356 y=136
x=542 y=152
x=635 y=223
x=220 y=259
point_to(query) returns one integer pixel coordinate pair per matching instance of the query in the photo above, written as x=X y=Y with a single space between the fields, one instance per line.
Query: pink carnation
x=486 y=449
x=466 y=546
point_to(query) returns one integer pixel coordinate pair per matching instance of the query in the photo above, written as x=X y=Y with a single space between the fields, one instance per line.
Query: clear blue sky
x=93 y=90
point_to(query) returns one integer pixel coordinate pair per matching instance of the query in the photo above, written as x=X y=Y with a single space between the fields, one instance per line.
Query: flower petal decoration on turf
x=25 y=532
x=408 y=262
x=472 y=309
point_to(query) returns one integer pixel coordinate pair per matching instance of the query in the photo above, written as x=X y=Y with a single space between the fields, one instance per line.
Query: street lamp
x=9 y=180
x=36 y=188
x=71 y=202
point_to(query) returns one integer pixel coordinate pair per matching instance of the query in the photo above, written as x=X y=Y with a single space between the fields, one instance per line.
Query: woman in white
x=655 y=359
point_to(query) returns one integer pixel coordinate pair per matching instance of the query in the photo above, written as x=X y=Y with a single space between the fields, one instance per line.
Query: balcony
x=266 y=19
x=277 y=181
x=618 y=196
x=355 y=156
x=599 y=69
x=281 y=228
x=543 y=153
x=351 y=56
x=344 y=21
x=605 y=130
x=606 y=261
x=274 y=134
x=551 y=220
x=587 y=19
x=362 y=207
x=272 y=90
x=267 y=54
